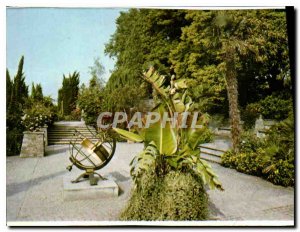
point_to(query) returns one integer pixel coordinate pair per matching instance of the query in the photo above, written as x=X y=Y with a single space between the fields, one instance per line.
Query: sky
x=57 y=41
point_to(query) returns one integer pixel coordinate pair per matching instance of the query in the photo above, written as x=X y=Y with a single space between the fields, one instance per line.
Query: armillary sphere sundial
x=91 y=155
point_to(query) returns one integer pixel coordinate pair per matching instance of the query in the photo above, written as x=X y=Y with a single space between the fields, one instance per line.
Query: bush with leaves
x=175 y=196
x=38 y=115
x=169 y=148
x=90 y=100
x=276 y=106
x=271 y=158
x=14 y=139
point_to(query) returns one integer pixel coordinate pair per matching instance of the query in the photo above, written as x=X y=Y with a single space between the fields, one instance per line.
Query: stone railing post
x=45 y=130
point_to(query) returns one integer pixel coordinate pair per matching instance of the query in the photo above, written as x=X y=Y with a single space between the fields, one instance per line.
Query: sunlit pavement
x=35 y=191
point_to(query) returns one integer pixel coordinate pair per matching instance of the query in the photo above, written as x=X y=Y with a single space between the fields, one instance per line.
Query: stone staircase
x=63 y=132
x=213 y=151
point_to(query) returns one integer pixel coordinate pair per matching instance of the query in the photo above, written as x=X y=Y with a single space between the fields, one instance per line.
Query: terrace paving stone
x=35 y=191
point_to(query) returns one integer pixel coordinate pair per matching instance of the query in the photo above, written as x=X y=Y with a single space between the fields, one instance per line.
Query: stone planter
x=33 y=144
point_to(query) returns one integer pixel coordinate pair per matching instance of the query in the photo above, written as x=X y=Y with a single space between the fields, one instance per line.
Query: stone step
x=213 y=151
x=211 y=148
x=210 y=158
x=68 y=134
x=70 y=131
x=64 y=133
x=208 y=152
x=70 y=139
x=71 y=127
x=66 y=142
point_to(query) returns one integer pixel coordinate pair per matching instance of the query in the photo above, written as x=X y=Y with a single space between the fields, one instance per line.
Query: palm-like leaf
x=177 y=146
x=129 y=135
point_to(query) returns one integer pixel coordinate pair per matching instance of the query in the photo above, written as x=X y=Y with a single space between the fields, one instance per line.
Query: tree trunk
x=232 y=92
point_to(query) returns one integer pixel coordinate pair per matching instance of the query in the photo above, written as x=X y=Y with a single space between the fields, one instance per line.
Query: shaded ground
x=35 y=191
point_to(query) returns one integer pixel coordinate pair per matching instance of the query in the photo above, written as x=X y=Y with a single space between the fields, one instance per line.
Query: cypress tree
x=8 y=89
x=68 y=93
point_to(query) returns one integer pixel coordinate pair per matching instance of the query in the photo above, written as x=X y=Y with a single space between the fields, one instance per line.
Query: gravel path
x=35 y=191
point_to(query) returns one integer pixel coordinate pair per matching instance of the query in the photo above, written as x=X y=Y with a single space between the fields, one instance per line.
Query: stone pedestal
x=33 y=144
x=84 y=191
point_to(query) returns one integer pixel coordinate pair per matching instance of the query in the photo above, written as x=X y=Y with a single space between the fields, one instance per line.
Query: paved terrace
x=35 y=191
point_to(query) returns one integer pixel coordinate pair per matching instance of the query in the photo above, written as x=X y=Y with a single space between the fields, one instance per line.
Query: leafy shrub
x=168 y=173
x=276 y=106
x=218 y=120
x=250 y=142
x=38 y=116
x=176 y=196
x=90 y=101
x=250 y=163
x=13 y=141
x=281 y=172
x=271 y=158
x=76 y=114
x=206 y=136
x=250 y=114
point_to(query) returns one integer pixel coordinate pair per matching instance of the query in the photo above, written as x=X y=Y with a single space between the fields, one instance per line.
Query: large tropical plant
x=169 y=146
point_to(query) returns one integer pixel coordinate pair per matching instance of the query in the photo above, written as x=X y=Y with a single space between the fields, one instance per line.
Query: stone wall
x=33 y=144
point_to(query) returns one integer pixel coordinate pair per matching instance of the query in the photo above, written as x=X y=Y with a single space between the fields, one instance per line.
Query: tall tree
x=90 y=98
x=97 y=71
x=18 y=92
x=20 y=88
x=36 y=92
x=242 y=47
x=68 y=93
x=9 y=86
x=143 y=38
x=16 y=96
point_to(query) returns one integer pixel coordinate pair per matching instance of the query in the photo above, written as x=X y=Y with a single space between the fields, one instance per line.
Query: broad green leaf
x=179 y=106
x=129 y=135
x=194 y=136
x=164 y=138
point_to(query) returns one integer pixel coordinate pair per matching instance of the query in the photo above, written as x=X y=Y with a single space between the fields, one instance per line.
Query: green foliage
x=271 y=158
x=16 y=97
x=68 y=93
x=96 y=71
x=205 y=136
x=14 y=139
x=282 y=172
x=38 y=114
x=36 y=92
x=131 y=96
x=170 y=148
x=186 y=41
x=90 y=100
x=250 y=163
x=276 y=106
x=250 y=142
x=250 y=114
x=168 y=173
x=176 y=196
x=261 y=54
x=144 y=37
